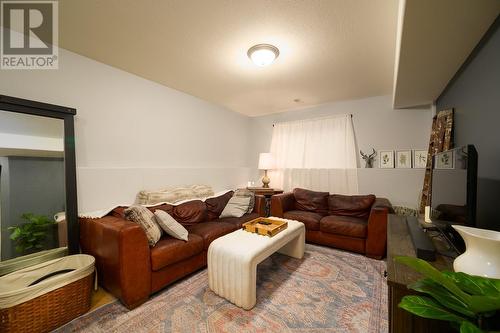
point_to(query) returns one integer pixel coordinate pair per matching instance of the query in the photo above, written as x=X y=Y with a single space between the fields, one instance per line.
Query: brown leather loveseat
x=355 y=223
x=132 y=270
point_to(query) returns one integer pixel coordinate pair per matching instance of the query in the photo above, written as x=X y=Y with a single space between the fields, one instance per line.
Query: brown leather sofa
x=132 y=270
x=355 y=223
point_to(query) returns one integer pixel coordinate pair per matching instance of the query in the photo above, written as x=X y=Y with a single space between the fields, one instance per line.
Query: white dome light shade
x=263 y=54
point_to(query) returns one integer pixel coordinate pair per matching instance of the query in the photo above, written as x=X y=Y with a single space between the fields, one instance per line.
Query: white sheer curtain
x=317 y=154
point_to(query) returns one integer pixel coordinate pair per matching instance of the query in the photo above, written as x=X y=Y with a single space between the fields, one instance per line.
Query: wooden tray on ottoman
x=265 y=226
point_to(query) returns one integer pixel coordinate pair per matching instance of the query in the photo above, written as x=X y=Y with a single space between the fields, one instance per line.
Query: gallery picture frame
x=419 y=158
x=386 y=159
x=445 y=160
x=403 y=159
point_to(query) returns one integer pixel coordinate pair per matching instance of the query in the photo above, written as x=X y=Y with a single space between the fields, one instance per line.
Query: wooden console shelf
x=400 y=276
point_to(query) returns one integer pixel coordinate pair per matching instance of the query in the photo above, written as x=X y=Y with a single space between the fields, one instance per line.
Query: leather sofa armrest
x=122 y=255
x=383 y=203
x=281 y=203
x=260 y=205
x=376 y=240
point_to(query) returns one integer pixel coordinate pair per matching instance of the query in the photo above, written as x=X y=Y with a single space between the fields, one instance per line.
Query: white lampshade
x=266 y=161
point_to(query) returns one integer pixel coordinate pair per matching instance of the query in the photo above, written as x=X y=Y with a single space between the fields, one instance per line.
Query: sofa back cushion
x=216 y=205
x=191 y=212
x=311 y=201
x=351 y=205
x=119 y=211
x=236 y=207
x=167 y=208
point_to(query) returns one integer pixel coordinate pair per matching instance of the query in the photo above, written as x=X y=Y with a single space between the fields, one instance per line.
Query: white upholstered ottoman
x=233 y=259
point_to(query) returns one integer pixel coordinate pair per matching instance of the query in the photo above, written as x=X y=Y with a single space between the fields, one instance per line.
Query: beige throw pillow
x=243 y=192
x=236 y=207
x=146 y=219
x=170 y=225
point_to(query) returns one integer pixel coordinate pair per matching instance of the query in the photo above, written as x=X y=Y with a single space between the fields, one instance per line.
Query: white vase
x=482 y=253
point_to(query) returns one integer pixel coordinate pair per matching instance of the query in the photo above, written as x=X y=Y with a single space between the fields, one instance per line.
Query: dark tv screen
x=454 y=178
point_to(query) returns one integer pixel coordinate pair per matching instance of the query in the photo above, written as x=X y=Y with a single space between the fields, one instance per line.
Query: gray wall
x=376 y=124
x=475 y=94
x=29 y=185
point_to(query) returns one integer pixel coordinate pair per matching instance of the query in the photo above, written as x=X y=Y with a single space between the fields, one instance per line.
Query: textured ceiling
x=329 y=49
x=436 y=38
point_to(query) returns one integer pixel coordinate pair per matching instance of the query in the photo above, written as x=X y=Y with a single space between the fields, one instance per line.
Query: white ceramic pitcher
x=482 y=253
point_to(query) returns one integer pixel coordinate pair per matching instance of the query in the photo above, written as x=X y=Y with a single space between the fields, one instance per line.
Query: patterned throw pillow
x=243 y=192
x=170 y=225
x=236 y=207
x=146 y=219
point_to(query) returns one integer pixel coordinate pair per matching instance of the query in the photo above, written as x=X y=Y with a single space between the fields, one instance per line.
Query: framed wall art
x=445 y=160
x=386 y=159
x=420 y=158
x=403 y=159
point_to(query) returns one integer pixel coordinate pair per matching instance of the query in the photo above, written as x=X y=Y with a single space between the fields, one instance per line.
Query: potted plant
x=470 y=303
x=30 y=236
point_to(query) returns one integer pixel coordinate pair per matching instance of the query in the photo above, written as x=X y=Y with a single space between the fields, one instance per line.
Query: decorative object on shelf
x=403 y=159
x=481 y=253
x=445 y=160
x=368 y=158
x=469 y=303
x=266 y=162
x=419 y=158
x=441 y=140
x=386 y=159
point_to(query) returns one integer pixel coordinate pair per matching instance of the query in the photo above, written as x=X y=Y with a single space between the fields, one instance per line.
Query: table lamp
x=266 y=162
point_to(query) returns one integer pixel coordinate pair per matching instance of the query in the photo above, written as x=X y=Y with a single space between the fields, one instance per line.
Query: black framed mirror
x=38 y=180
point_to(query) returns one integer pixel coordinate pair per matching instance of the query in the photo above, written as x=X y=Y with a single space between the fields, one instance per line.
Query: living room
x=166 y=105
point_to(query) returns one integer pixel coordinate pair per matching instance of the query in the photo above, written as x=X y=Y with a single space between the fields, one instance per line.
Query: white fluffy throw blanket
x=175 y=201
x=174 y=195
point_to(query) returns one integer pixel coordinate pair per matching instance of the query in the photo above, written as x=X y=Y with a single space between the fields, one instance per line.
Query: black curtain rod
x=326 y=117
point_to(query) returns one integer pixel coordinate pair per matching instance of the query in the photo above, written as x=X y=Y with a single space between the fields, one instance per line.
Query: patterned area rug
x=327 y=291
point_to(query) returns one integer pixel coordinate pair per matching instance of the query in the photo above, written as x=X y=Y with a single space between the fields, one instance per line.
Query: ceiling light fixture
x=263 y=54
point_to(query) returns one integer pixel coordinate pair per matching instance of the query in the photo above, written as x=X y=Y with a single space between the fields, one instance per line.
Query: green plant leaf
x=426 y=307
x=474 y=285
x=442 y=295
x=15 y=234
x=476 y=304
x=429 y=271
x=481 y=304
x=468 y=327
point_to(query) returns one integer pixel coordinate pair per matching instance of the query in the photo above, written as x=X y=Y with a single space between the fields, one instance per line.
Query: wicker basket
x=49 y=311
x=45 y=296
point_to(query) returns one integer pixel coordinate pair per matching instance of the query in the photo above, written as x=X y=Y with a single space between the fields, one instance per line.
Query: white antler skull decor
x=368 y=158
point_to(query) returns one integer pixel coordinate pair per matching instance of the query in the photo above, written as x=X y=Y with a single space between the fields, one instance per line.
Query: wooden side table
x=267 y=193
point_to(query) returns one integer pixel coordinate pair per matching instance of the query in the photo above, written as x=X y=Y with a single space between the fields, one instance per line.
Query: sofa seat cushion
x=310 y=219
x=210 y=231
x=311 y=201
x=169 y=250
x=238 y=221
x=344 y=225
